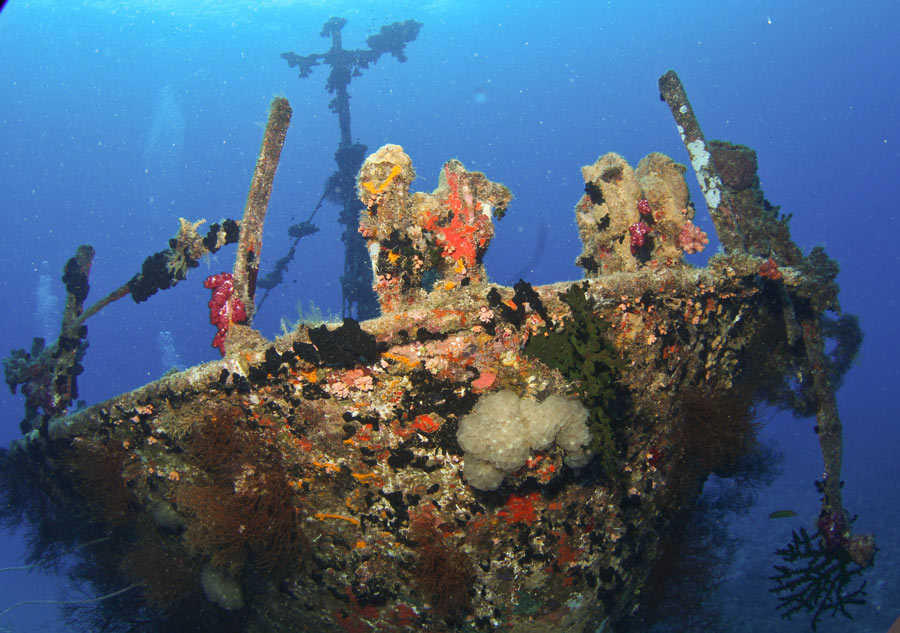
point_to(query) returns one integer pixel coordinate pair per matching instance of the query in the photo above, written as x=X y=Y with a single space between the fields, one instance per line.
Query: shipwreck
x=475 y=458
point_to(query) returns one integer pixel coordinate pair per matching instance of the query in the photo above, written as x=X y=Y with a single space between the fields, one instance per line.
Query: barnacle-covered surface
x=314 y=482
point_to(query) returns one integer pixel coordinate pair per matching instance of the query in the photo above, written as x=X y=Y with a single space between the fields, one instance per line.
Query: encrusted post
x=672 y=92
x=634 y=218
x=246 y=265
x=346 y=64
x=424 y=242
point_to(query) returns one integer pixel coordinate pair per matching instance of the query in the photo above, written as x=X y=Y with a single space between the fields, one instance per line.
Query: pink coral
x=692 y=238
x=224 y=309
x=484 y=380
x=339 y=389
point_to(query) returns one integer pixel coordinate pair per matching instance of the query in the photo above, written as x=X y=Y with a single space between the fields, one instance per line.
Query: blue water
x=118 y=118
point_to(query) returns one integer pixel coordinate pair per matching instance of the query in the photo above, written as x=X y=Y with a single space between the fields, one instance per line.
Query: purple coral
x=643 y=206
x=639 y=231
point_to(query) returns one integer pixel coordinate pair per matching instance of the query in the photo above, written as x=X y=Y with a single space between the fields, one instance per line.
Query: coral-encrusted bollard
x=223 y=308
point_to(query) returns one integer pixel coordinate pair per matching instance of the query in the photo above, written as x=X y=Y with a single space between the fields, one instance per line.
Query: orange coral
x=377 y=189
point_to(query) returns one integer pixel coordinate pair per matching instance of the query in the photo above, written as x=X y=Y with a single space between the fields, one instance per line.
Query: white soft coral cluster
x=502 y=430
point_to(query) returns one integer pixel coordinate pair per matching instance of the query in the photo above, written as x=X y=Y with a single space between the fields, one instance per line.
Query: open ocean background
x=117 y=118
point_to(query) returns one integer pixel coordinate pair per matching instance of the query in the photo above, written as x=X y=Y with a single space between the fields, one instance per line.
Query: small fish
x=782 y=514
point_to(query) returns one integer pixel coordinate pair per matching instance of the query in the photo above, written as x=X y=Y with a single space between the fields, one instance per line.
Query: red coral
x=692 y=238
x=459 y=240
x=769 y=270
x=520 y=509
x=403 y=615
x=224 y=309
x=638 y=231
x=463 y=236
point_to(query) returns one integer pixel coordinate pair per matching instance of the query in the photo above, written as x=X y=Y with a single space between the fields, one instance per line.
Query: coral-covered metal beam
x=671 y=90
x=830 y=429
x=64 y=358
x=246 y=265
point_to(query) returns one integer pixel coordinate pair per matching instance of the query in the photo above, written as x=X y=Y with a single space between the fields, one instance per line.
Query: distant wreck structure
x=358 y=299
x=476 y=458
